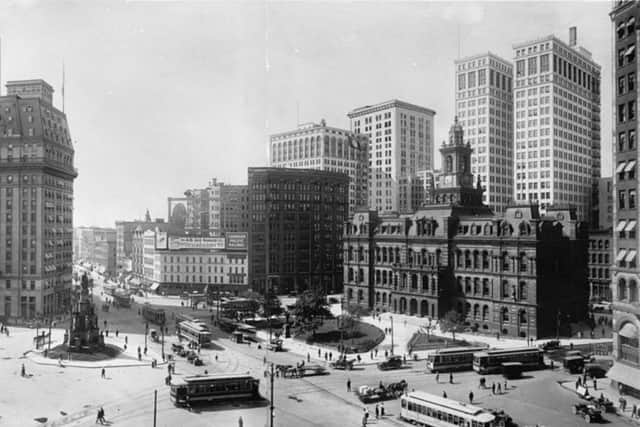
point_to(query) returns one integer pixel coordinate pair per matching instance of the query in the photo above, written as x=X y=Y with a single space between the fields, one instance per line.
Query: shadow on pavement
x=225 y=406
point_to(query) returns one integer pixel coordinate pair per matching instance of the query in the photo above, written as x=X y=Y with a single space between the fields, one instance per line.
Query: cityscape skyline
x=263 y=67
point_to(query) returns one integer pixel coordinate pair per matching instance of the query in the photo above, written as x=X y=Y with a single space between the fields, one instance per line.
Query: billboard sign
x=196 y=243
x=237 y=241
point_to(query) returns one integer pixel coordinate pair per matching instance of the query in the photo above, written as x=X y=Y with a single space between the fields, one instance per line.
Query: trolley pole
x=162 y=332
x=271 y=407
x=155 y=406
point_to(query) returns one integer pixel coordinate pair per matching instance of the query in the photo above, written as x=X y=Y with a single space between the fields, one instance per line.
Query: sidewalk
x=127 y=358
x=605 y=388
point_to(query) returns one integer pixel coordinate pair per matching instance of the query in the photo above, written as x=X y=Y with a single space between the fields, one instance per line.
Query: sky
x=162 y=96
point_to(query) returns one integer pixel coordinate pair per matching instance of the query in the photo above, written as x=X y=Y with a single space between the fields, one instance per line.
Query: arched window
x=485 y=312
x=449 y=163
x=404 y=280
x=522 y=290
x=628 y=342
x=467 y=259
x=522 y=316
x=476 y=311
x=459 y=258
x=622 y=289
x=505 y=289
x=377 y=297
x=476 y=286
x=523 y=262
x=485 y=287
x=485 y=260
x=505 y=314
x=476 y=259
x=467 y=309
x=467 y=285
x=425 y=283
x=459 y=281
x=414 y=282
x=350 y=293
x=524 y=228
x=350 y=277
x=360 y=295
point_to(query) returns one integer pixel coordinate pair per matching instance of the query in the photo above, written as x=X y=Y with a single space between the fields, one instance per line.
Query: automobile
x=589 y=412
x=275 y=345
x=595 y=371
x=183 y=353
x=550 y=345
x=370 y=394
x=177 y=347
x=197 y=361
x=578 y=353
x=502 y=419
x=392 y=362
x=574 y=364
x=343 y=363
x=191 y=355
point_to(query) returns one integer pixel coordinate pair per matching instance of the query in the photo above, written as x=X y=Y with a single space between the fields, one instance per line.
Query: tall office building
x=557 y=132
x=124 y=238
x=484 y=106
x=295 y=234
x=36 y=202
x=320 y=147
x=400 y=144
x=625 y=373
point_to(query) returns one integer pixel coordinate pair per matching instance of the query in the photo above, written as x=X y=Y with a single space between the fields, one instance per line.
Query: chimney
x=573 y=36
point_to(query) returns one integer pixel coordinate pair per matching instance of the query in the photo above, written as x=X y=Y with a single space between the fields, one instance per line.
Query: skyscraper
x=400 y=144
x=36 y=200
x=557 y=132
x=625 y=373
x=484 y=105
x=318 y=146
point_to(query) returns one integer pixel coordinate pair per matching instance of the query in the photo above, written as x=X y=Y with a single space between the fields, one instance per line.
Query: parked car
x=594 y=370
x=197 y=361
x=183 y=353
x=191 y=355
x=589 y=412
x=370 y=394
x=502 y=418
x=343 y=363
x=392 y=362
x=550 y=345
x=177 y=347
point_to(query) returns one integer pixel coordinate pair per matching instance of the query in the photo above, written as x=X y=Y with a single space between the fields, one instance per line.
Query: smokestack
x=573 y=36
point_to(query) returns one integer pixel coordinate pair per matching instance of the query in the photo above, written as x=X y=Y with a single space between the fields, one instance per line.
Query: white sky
x=162 y=96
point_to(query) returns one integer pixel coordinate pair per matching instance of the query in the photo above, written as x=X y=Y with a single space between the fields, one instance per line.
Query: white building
x=484 y=106
x=177 y=264
x=401 y=144
x=318 y=146
x=557 y=131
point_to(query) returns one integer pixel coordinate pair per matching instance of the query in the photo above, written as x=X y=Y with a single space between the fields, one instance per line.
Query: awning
x=629 y=331
x=621 y=225
x=631 y=256
x=621 y=254
x=620 y=25
x=621 y=167
x=630 y=50
x=154 y=286
x=631 y=226
x=631 y=21
x=630 y=166
x=624 y=374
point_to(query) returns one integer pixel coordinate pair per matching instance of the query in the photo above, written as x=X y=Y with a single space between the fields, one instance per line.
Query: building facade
x=174 y=264
x=36 y=203
x=625 y=373
x=600 y=259
x=211 y=211
x=557 y=128
x=97 y=246
x=484 y=105
x=521 y=274
x=400 y=144
x=320 y=147
x=295 y=234
x=605 y=203
x=124 y=238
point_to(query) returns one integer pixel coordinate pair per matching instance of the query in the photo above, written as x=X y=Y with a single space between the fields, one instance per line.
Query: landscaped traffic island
x=358 y=337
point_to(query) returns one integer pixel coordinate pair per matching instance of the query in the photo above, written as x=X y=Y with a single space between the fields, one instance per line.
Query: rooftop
x=389 y=104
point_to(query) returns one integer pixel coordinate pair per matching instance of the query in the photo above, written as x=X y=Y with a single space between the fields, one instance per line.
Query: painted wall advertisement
x=237 y=241
x=196 y=243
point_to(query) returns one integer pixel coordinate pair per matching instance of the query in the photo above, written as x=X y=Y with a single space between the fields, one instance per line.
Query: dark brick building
x=295 y=229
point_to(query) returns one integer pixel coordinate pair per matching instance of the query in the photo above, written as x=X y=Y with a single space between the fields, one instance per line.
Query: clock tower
x=454 y=185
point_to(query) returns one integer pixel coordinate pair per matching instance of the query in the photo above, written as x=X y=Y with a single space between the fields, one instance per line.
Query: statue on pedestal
x=84 y=334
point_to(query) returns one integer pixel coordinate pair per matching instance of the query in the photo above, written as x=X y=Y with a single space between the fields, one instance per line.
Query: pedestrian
x=23 y=372
x=634 y=410
x=493 y=388
x=126 y=339
x=499 y=389
x=444 y=394
x=366 y=414
x=579 y=381
x=348 y=384
x=471 y=397
x=376 y=352
x=240 y=422
x=404 y=359
x=98 y=417
x=438 y=378
x=450 y=377
x=386 y=354
x=595 y=383
x=359 y=359
x=117 y=332
x=382 y=409
x=104 y=372
x=505 y=385
x=330 y=355
x=371 y=355
x=577 y=384
x=377 y=412
x=308 y=357
x=319 y=354
x=216 y=357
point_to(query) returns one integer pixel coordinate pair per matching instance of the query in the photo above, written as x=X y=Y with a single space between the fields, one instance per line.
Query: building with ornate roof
x=519 y=274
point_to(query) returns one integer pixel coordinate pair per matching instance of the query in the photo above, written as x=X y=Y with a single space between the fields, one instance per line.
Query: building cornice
x=394 y=103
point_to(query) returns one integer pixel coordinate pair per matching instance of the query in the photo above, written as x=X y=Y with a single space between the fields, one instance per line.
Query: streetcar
x=154 y=315
x=249 y=333
x=210 y=388
x=452 y=359
x=490 y=361
x=194 y=333
x=419 y=407
x=122 y=300
x=180 y=317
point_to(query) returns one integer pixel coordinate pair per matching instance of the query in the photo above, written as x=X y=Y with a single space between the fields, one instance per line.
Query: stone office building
x=521 y=274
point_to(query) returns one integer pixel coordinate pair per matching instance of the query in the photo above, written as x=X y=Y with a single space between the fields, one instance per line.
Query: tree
x=309 y=311
x=451 y=322
x=349 y=319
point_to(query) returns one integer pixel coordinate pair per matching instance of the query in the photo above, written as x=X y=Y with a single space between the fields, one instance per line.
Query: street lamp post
x=392 y=345
x=146 y=331
x=162 y=332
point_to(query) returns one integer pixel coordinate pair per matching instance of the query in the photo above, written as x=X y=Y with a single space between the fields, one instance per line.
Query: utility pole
x=162 y=332
x=391 y=318
x=50 y=321
x=558 y=325
x=271 y=406
x=155 y=406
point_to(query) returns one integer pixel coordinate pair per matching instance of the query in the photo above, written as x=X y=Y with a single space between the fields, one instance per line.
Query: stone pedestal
x=84 y=334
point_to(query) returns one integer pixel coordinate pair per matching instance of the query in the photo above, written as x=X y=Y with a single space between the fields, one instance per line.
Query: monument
x=84 y=334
